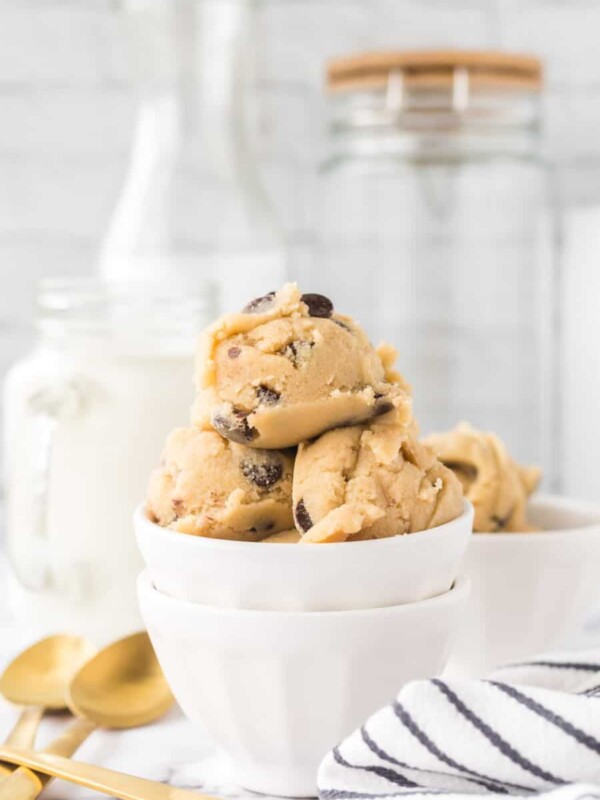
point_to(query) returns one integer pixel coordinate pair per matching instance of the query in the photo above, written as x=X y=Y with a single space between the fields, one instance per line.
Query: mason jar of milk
x=86 y=416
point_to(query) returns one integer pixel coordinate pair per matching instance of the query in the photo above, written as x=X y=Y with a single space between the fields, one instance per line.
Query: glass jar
x=437 y=233
x=193 y=203
x=86 y=416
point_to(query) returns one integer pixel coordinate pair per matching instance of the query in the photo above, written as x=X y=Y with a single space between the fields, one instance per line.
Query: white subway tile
x=563 y=34
x=57 y=197
x=572 y=122
x=67 y=121
x=297 y=37
x=414 y=24
x=65 y=43
x=291 y=191
x=289 y=123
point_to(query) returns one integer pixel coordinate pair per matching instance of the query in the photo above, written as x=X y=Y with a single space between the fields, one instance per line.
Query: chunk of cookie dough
x=287 y=368
x=498 y=487
x=284 y=537
x=371 y=481
x=209 y=486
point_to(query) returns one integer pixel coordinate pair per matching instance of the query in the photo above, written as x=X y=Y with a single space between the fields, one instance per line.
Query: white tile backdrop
x=66 y=114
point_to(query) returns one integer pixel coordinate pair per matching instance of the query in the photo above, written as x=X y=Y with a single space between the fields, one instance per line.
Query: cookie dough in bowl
x=498 y=487
x=287 y=368
x=283 y=537
x=371 y=481
x=208 y=486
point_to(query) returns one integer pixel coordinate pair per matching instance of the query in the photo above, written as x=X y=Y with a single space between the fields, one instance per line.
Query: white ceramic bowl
x=279 y=690
x=317 y=577
x=530 y=591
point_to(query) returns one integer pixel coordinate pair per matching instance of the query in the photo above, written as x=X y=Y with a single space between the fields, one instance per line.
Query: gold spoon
x=38 y=679
x=120 y=687
x=99 y=779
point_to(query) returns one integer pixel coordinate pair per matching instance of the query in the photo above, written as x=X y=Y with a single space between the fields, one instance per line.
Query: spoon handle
x=99 y=779
x=23 y=734
x=71 y=740
x=23 y=784
x=25 y=729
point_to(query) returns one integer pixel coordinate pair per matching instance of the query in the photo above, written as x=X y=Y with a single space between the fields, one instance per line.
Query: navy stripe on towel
x=550 y=716
x=494 y=737
x=580 y=666
x=380 y=753
x=488 y=783
x=382 y=772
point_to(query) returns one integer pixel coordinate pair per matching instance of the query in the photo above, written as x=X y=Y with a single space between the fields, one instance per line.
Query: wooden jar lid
x=430 y=69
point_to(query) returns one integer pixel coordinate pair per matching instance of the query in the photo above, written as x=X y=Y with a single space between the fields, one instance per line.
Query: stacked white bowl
x=282 y=650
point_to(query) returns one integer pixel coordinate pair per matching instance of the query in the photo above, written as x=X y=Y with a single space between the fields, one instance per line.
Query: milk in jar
x=86 y=416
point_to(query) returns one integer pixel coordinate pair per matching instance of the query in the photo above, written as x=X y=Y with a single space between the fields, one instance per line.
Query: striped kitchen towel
x=530 y=729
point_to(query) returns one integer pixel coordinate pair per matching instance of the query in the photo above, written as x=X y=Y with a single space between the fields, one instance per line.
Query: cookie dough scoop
x=209 y=486
x=371 y=481
x=496 y=485
x=287 y=368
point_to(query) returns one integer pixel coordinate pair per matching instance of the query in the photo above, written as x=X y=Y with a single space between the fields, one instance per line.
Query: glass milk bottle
x=193 y=203
x=86 y=416
x=437 y=233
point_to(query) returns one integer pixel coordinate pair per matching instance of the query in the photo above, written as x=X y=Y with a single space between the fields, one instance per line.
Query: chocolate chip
x=302 y=517
x=260 y=304
x=234 y=426
x=262 y=473
x=318 y=305
x=501 y=522
x=408 y=454
x=298 y=351
x=382 y=408
x=268 y=397
x=466 y=471
x=293 y=349
x=234 y=352
x=378 y=410
x=263 y=527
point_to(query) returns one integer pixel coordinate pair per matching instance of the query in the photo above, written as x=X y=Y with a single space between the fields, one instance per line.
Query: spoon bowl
x=40 y=675
x=122 y=686
x=37 y=679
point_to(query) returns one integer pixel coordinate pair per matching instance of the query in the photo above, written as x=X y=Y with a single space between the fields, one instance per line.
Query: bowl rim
x=552 y=501
x=141 y=520
x=458 y=592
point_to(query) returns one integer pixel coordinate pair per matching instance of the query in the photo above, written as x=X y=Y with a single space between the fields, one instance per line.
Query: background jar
x=86 y=417
x=437 y=232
